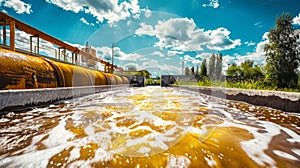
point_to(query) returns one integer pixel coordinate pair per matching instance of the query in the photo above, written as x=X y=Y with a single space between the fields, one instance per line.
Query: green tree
x=186 y=71
x=192 y=70
x=212 y=67
x=282 y=53
x=203 y=71
x=218 y=68
x=234 y=71
x=144 y=73
x=246 y=71
x=197 y=71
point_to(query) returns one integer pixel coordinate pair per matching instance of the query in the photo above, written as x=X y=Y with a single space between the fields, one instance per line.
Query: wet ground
x=150 y=127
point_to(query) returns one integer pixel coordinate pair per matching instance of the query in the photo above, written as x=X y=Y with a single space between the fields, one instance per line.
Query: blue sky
x=159 y=34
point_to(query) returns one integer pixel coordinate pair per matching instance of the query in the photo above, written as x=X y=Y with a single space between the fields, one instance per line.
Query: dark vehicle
x=166 y=80
x=137 y=80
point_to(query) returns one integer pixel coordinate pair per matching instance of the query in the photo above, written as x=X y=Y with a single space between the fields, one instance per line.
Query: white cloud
x=18 y=5
x=212 y=3
x=265 y=36
x=204 y=56
x=105 y=53
x=148 y=12
x=193 y=60
x=258 y=24
x=145 y=30
x=182 y=34
x=249 y=43
x=86 y=22
x=173 y=53
x=296 y=20
x=129 y=57
x=220 y=40
x=156 y=68
x=157 y=53
x=227 y=59
x=110 y=10
x=258 y=56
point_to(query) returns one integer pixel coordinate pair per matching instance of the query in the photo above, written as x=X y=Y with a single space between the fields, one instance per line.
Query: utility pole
x=182 y=63
x=112 y=57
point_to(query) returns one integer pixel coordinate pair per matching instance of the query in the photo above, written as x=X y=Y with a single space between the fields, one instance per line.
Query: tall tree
x=203 y=71
x=192 y=70
x=212 y=67
x=218 y=69
x=282 y=53
x=186 y=71
x=197 y=71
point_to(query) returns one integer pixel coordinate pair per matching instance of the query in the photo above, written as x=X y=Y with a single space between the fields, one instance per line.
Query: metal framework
x=6 y=20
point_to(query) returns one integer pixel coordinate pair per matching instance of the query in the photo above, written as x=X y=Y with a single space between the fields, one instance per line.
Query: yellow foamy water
x=150 y=127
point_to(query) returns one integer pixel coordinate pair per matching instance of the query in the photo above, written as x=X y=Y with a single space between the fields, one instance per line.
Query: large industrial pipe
x=19 y=71
x=22 y=71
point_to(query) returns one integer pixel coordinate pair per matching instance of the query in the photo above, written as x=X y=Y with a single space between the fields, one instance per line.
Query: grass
x=250 y=84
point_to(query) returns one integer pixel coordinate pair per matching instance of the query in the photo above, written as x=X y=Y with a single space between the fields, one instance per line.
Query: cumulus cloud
x=204 y=56
x=157 y=53
x=220 y=40
x=296 y=20
x=212 y=3
x=147 y=12
x=19 y=6
x=258 y=56
x=145 y=30
x=183 y=35
x=193 y=60
x=110 y=10
x=227 y=59
x=105 y=53
x=86 y=22
x=156 y=67
x=173 y=53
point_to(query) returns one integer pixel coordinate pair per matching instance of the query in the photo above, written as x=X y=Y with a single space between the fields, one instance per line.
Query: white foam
x=255 y=147
x=178 y=162
x=284 y=155
x=296 y=151
x=210 y=161
x=144 y=150
x=58 y=135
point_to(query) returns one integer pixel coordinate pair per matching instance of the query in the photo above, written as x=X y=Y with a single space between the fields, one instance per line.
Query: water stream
x=150 y=127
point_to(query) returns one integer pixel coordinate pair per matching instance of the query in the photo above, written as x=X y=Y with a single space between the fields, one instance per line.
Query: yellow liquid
x=150 y=127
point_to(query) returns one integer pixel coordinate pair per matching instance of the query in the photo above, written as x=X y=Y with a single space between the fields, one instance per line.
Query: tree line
x=282 y=54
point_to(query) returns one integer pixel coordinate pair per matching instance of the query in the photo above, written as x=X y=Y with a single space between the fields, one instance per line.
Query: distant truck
x=167 y=80
x=137 y=80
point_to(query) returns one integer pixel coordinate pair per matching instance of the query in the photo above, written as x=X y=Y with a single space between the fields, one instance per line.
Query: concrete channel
x=285 y=101
x=14 y=99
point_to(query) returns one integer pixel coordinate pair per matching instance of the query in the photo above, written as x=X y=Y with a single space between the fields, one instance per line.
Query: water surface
x=150 y=127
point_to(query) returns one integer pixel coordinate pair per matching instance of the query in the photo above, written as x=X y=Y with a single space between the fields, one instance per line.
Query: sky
x=158 y=35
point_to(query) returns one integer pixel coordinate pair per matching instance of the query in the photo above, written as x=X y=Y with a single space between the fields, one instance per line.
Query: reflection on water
x=150 y=127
